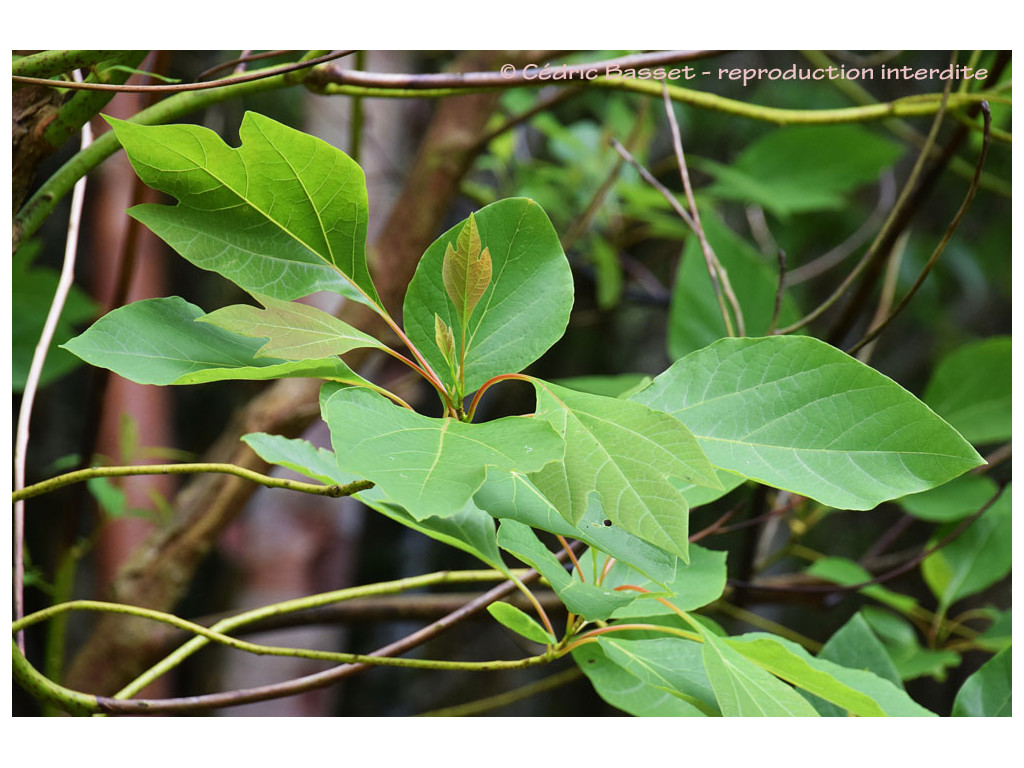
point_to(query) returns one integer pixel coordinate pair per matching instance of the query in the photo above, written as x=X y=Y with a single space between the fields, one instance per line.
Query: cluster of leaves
x=284 y=216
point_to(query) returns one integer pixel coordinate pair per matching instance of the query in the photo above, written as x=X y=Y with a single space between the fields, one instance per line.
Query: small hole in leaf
x=608 y=523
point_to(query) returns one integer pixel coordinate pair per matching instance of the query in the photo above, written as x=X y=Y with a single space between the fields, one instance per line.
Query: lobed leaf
x=283 y=215
x=795 y=413
x=624 y=453
x=468 y=529
x=431 y=467
x=511 y=495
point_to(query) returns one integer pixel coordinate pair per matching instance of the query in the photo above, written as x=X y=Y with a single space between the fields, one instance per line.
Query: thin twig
x=780 y=290
x=888 y=292
x=714 y=265
x=508 y=76
x=888 y=575
x=81 y=475
x=686 y=217
x=296 y=686
x=179 y=87
x=64 y=284
x=888 y=228
x=874 y=332
x=243 y=59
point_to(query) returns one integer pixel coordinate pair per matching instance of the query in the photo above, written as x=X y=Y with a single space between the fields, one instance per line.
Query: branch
x=714 y=265
x=877 y=329
x=81 y=475
x=333 y=80
x=888 y=575
x=180 y=87
x=70 y=700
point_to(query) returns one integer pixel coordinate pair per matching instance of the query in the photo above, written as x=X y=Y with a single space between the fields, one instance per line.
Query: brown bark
x=33 y=108
x=159 y=572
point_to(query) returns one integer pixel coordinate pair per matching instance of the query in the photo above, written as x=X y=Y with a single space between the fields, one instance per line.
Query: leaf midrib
x=265 y=214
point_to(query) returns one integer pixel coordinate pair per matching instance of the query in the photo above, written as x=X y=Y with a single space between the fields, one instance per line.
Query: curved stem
x=187 y=469
x=536 y=606
x=64 y=285
x=266 y=650
x=592 y=635
x=489 y=383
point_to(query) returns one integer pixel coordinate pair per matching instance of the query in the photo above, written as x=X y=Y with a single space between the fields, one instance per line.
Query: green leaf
x=696 y=495
x=524 y=309
x=429 y=466
x=978 y=558
x=744 y=689
x=626 y=691
x=618 y=385
x=988 y=692
x=293 y=331
x=592 y=602
x=847 y=573
x=790 y=662
x=110 y=498
x=666 y=663
x=697 y=583
x=157 y=341
x=299 y=456
x=953 y=501
x=695 y=318
x=971 y=389
x=511 y=495
x=469 y=529
x=625 y=453
x=858 y=660
x=797 y=414
x=520 y=623
x=466 y=271
x=283 y=215
x=855 y=645
x=803 y=168
x=899 y=638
